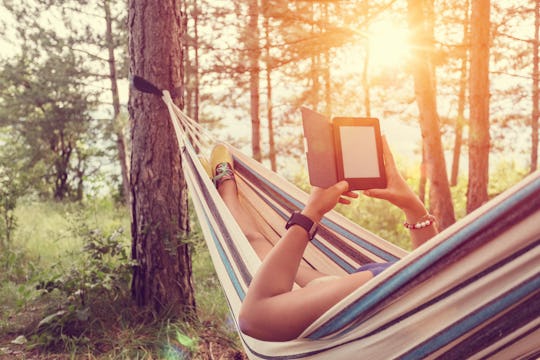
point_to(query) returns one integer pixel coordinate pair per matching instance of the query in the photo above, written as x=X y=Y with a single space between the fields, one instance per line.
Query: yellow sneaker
x=221 y=163
x=206 y=165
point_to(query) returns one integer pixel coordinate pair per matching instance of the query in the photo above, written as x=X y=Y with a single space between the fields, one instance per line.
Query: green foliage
x=101 y=273
x=379 y=217
x=13 y=185
x=78 y=259
x=48 y=96
x=506 y=173
x=51 y=114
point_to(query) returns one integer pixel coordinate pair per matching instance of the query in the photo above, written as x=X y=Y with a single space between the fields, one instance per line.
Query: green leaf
x=186 y=341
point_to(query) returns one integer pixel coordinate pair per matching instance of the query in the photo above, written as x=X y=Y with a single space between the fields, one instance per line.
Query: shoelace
x=223 y=172
x=223 y=169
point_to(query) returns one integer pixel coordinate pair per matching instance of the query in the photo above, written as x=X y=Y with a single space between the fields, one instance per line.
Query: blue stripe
x=470 y=322
x=329 y=253
x=332 y=255
x=223 y=256
x=421 y=264
x=359 y=241
x=225 y=259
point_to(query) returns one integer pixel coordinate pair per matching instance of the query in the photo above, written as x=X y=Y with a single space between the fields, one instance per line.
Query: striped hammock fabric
x=473 y=291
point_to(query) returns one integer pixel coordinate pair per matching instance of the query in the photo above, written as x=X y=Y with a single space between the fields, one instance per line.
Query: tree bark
x=365 y=71
x=196 y=71
x=479 y=142
x=535 y=90
x=460 y=119
x=160 y=222
x=424 y=87
x=422 y=183
x=326 y=59
x=254 y=54
x=269 y=109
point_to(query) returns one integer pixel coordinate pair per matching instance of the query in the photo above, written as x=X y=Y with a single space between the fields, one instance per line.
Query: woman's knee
x=255 y=237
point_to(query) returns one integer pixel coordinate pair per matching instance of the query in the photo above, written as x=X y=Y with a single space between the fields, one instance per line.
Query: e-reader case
x=319 y=148
x=322 y=155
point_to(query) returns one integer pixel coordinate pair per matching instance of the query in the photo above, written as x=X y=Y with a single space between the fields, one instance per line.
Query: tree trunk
x=365 y=71
x=479 y=105
x=365 y=82
x=160 y=222
x=196 y=71
x=327 y=58
x=269 y=110
x=422 y=183
x=460 y=119
x=188 y=89
x=254 y=54
x=536 y=90
x=118 y=130
x=327 y=83
x=424 y=87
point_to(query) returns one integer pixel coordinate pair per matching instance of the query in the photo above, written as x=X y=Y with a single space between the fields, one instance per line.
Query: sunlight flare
x=388 y=45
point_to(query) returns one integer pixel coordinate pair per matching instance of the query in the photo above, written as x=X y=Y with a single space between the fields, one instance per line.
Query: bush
x=99 y=276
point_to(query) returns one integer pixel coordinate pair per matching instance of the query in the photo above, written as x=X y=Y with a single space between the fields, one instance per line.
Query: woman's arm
x=399 y=193
x=271 y=310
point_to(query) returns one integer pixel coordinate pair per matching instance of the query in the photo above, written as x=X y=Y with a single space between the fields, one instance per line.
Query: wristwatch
x=298 y=219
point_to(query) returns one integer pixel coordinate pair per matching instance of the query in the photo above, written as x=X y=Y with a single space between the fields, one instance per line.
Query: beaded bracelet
x=424 y=221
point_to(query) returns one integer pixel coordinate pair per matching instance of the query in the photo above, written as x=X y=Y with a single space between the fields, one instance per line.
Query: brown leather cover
x=319 y=148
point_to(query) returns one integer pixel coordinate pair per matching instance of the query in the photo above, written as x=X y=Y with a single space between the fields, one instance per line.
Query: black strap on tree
x=145 y=86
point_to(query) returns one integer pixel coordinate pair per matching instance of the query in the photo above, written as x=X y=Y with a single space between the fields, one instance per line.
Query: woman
x=272 y=309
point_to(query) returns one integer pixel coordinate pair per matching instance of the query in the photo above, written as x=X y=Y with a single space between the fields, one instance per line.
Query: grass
x=48 y=246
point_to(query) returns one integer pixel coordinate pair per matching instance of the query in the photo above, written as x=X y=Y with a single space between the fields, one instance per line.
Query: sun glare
x=388 y=45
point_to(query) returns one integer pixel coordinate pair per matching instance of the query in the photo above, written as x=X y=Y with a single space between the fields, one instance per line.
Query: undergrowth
x=65 y=291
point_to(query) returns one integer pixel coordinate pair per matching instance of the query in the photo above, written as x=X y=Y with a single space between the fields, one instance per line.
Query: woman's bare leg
x=249 y=227
x=272 y=310
x=229 y=194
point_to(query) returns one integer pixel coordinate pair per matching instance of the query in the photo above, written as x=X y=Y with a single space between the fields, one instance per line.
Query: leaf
x=49 y=319
x=20 y=340
x=186 y=341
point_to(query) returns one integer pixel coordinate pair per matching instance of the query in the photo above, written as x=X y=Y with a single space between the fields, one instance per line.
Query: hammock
x=473 y=291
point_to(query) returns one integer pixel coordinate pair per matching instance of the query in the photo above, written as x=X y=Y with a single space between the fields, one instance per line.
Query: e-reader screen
x=359 y=164
x=359 y=157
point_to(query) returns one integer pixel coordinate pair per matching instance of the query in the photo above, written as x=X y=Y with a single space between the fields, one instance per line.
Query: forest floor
x=60 y=249
x=18 y=341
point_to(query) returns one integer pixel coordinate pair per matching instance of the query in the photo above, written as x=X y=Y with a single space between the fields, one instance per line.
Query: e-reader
x=358 y=152
x=343 y=148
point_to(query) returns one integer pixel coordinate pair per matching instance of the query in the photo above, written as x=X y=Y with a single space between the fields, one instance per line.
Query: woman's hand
x=323 y=200
x=397 y=190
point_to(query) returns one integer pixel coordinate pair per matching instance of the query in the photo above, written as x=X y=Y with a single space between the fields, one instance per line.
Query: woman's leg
x=272 y=310
x=220 y=168
x=249 y=227
x=228 y=191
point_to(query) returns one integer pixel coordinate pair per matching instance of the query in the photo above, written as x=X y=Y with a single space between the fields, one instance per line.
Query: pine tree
x=160 y=219
x=479 y=143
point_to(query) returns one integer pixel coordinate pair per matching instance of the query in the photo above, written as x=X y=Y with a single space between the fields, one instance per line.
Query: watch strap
x=305 y=222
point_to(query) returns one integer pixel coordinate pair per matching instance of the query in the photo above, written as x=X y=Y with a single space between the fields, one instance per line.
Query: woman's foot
x=221 y=163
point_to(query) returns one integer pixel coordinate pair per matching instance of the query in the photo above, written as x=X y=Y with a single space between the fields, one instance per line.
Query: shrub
x=100 y=275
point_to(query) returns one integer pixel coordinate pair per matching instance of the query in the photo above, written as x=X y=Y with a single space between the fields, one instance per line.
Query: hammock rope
x=473 y=291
